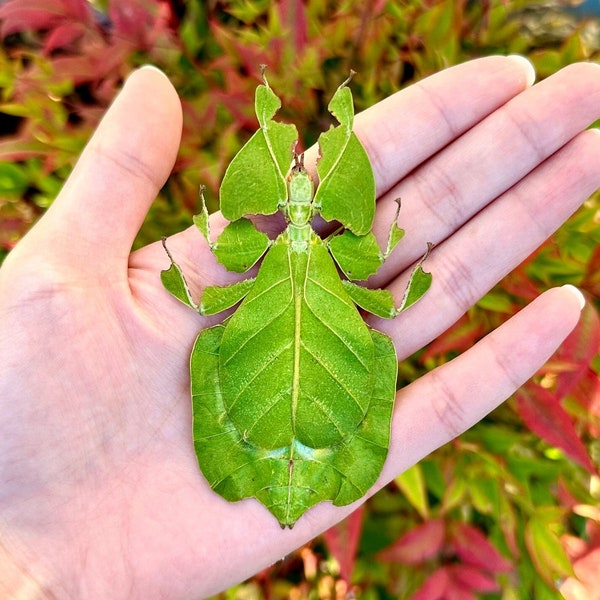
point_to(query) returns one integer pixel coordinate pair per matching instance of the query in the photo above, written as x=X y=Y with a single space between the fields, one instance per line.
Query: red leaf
x=444 y=584
x=564 y=495
x=24 y=16
x=591 y=281
x=35 y=15
x=63 y=35
x=140 y=22
x=86 y=68
x=456 y=592
x=436 y=586
x=542 y=413
x=21 y=149
x=342 y=541
x=473 y=579
x=250 y=55
x=519 y=284
x=577 y=351
x=476 y=550
x=587 y=394
x=417 y=545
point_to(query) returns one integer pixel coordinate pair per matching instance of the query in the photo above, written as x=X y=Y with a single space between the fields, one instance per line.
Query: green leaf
x=412 y=485
x=455 y=493
x=546 y=551
x=496 y=302
x=13 y=180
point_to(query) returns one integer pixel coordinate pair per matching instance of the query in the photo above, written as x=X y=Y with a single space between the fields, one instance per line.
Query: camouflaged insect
x=293 y=393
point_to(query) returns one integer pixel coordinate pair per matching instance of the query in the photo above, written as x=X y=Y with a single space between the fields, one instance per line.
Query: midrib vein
x=297 y=342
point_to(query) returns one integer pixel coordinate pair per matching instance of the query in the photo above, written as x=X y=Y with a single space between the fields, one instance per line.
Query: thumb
x=95 y=218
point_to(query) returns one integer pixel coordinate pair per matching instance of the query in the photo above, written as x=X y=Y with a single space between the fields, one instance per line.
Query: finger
x=402 y=131
x=490 y=158
x=448 y=400
x=496 y=240
x=101 y=207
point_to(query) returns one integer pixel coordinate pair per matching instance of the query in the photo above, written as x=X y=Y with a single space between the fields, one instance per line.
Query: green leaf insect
x=292 y=394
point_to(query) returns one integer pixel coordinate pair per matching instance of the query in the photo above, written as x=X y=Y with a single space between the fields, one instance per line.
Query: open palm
x=100 y=493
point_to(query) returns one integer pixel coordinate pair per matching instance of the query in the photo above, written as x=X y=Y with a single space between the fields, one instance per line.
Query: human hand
x=100 y=493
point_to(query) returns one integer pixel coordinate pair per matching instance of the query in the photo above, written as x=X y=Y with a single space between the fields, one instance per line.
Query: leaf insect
x=292 y=395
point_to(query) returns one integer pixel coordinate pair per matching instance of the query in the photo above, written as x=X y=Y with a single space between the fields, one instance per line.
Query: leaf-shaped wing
x=346 y=192
x=289 y=480
x=254 y=182
x=296 y=357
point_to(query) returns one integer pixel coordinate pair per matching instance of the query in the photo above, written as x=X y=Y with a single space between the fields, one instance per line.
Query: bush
x=510 y=507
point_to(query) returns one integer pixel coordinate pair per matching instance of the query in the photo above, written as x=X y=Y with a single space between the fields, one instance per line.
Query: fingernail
x=577 y=293
x=153 y=68
x=528 y=67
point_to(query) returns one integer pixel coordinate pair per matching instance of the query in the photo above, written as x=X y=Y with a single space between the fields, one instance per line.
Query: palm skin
x=100 y=493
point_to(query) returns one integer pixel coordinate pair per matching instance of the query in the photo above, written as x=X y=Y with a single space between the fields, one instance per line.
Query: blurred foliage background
x=510 y=509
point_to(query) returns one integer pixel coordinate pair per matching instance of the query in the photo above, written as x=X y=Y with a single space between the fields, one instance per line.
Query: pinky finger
x=447 y=401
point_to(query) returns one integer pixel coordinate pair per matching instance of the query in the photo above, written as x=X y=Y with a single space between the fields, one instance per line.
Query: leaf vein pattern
x=328 y=291
x=327 y=368
x=339 y=337
x=269 y=288
x=274 y=317
x=315 y=400
x=275 y=400
x=261 y=368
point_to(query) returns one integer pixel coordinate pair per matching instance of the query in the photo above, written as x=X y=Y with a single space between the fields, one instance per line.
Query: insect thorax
x=299 y=209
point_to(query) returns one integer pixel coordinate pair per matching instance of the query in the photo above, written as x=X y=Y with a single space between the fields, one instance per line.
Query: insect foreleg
x=174 y=281
x=418 y=284
x=381 y=302
x=214 y=299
